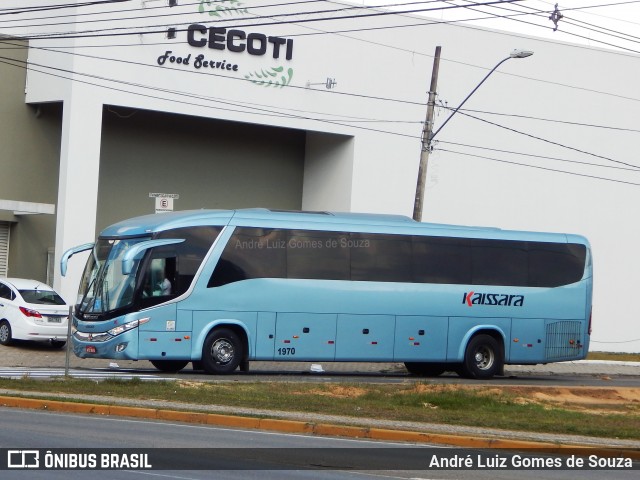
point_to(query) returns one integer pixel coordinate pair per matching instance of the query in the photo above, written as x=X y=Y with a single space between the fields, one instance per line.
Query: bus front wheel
x=222 y=351
x=483 y=358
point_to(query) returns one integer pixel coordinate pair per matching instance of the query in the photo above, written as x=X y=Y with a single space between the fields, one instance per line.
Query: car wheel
x=58 y=343
x=5 y=333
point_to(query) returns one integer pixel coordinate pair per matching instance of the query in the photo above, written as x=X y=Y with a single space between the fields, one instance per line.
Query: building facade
x=127 y=108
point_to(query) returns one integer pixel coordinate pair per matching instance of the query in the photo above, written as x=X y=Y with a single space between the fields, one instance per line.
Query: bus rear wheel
x=222 y=351
x=170 y=366
x=425 y=369
x=483 y=358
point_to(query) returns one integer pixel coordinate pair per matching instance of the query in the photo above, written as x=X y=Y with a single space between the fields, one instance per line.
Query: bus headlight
x=127 y=326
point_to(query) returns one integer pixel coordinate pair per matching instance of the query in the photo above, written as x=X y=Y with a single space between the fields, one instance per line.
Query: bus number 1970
x=286 y=351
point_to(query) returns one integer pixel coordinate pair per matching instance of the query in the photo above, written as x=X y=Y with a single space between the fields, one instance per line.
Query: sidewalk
x=580 y=367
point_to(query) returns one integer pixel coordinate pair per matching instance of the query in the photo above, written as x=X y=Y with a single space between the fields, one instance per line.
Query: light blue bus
x=220 y=288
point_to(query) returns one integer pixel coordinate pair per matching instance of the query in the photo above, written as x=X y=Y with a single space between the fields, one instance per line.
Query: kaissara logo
x=494 y=299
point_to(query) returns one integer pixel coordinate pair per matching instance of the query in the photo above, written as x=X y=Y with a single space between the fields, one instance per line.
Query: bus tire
x=425 y=369
x=6 y=337
x=483 y=358
x=169 y=366
x=222 y=351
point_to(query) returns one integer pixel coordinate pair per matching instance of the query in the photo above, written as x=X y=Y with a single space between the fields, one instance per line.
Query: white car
x=31 y=310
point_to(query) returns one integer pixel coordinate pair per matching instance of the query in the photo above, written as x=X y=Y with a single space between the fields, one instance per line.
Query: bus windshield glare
x=104 y=287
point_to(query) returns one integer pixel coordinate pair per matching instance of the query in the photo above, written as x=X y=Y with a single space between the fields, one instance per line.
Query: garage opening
x=208 y=163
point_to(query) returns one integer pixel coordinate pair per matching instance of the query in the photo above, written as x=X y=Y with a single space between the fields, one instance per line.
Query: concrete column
x=77 y=185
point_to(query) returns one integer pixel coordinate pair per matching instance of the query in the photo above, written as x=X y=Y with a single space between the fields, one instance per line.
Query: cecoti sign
x=234 y=40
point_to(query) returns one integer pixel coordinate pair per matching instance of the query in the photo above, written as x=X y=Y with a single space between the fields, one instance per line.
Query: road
x=150 y=374
x=48 y=430
x=39 y=360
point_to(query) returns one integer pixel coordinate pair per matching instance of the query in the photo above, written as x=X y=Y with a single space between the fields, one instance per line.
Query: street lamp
x=514 y=54
x=429 y=135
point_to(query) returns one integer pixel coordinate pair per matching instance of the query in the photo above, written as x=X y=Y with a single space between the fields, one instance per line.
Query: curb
x=310 y=428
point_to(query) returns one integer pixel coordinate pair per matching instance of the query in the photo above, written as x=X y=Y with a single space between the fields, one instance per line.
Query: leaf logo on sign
x=272 y=77
x=222 y=7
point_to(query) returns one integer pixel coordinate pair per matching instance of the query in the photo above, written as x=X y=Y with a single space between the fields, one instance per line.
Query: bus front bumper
x=104 y=345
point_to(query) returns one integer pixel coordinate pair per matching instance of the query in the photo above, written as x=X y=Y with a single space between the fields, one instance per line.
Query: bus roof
x=262 y=217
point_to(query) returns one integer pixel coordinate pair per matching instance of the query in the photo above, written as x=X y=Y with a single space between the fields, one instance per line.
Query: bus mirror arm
x=69 y=253
x=129 y=256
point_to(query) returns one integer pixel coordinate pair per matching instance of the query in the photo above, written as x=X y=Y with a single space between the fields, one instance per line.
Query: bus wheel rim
x=484 y=359
x=222 y=350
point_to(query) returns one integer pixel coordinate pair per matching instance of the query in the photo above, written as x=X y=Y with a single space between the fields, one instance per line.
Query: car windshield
x=41 y=297
x=104 y=287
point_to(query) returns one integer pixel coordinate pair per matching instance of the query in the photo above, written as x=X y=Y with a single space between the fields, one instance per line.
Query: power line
x=378 y=6
x=541 y=12
x=173 y=13
x=344 y=93
x=397 y=100
x=254 y=109
x=19 y=10
x=604 y=30
x=621 y=341
x=543 y=157
x=584 y=8
x=509 y=162
x=415 y=102
x=247 y=109
x=112 y=31
x=397 y=48
x=195 y=72
x=343 y=120
x=564 y=122
x=351 y=121
x=341 y=33
x=558 y=144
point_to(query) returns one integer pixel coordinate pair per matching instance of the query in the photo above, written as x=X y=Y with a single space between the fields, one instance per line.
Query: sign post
x=68 y=352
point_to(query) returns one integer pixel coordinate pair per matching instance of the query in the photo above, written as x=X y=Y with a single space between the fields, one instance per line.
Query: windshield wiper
x=96 y=287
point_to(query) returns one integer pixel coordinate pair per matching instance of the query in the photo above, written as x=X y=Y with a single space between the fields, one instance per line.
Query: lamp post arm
x=467 y=98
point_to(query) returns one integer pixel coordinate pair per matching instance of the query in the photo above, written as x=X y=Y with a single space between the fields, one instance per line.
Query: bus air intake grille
x=563 y=340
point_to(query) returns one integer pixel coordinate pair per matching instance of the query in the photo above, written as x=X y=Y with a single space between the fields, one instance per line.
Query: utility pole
x=426 y=139
x=428 y=134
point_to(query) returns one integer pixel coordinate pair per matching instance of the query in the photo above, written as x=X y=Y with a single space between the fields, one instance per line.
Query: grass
x=618 y=357
x=417 y=402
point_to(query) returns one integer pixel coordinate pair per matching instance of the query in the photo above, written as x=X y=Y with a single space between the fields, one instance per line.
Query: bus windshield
x=104 y=287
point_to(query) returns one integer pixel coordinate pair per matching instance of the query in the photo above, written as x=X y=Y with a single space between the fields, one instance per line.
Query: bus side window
x=251 y=253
